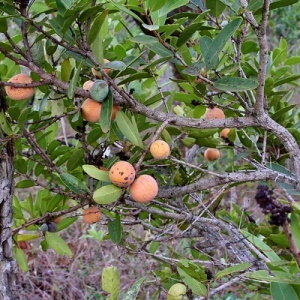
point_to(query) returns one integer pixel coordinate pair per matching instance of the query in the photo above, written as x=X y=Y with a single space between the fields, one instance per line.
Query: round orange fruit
x=224 y=133
x=122 y=173
x=20 y=93
x=88 y=85
x=144 y=189
x=160 y=149
x=214 y=113
x=91 y=215
x=212 y=154
x=90 y=110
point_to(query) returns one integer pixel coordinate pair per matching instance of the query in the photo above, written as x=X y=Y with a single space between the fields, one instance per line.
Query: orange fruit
x=57 y=219
x=91 y=215
x=22 y=245
x=122 y=173
x=90 y=110
x=224 y=133
x=98 y=74
x=214 y=113
x=20 y=93
x=160 y=149
x=88 y=85
x=144 y=189
x=115 y=109
x=212 y=154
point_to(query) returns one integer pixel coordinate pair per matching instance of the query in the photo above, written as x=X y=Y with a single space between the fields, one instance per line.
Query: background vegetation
x=224 y=229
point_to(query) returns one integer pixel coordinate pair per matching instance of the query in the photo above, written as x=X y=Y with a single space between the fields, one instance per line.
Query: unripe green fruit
x=44 y=227
x=177 y=292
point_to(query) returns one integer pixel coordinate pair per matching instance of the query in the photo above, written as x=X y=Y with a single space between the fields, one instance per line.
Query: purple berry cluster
x=267 y=202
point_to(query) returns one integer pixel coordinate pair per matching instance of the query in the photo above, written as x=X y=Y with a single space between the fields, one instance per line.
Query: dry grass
x=52 y=277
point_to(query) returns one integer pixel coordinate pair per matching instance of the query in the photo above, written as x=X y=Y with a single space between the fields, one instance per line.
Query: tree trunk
x=7 y=264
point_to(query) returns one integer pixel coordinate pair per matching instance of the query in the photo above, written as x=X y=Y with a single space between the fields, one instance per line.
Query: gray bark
x=7 y=264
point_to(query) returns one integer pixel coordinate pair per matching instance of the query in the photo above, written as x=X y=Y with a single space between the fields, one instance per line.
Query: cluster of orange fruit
x=212 y=154
x=91 y=109
x=142 y=189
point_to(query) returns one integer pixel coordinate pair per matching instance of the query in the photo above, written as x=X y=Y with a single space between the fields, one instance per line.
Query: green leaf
x=235 y=84
x=155 y=5
x=219 y=42
x=150 y=27
x=187 y=33
x=279 y=168
x=132 y=292
x=4 y=124
x=111 y=282
x=79 y=57
x=230 y=270
x=274 y=276
x=205 y=44
x=280 y=115
x=255 y=5
x=99 y=90
x=66 y=70
x=294 y=60
x=268 y=252
x=21 y=165
x=197 y=287
x=37 y=53
x=283 y=291
x=107 y=194
x=56 y=24
x=3 y=24
x=26 y=183
x=74 y=184
x=21 y=259
x=171 y=5
x=115 y=65
x=152 y=44
x=115 y=230
x=128 y=129
x=96 y=173
x=282 y=3
x=96 y=26
x=289 y=189
x=295 y=228
x=286 y=79
x=134 y=77
x=73 y=83
x=105 y=114
x=216 y=7
x=55 y=242
x=65 y=223
x=75 y=160
x=125 y=10
x=54 y=202
x=194 y=69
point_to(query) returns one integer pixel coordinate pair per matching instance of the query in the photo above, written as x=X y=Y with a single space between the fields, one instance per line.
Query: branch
x=263 y=59
x=286 y=138
x=237 y=177
x=48 y=216
x=292 y=242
